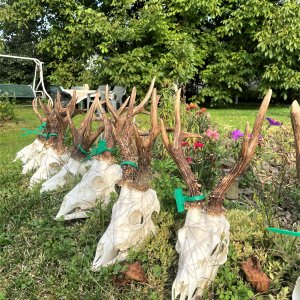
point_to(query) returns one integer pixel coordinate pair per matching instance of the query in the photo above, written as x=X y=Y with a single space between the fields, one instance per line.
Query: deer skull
x=35 y=161
x=29 y=151
x=73 y=167
x=296 y=292
x=98 y=183
x=31 y=156
x=130 y=224
x=50 y=164
x=203 y=246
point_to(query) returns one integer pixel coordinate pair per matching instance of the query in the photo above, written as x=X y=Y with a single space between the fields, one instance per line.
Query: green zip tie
x=79 y=147
x=181 y=199
x=47 y=135
x=42 y=126
x=284 y=231
x=128 y=162
x=101 y=147
x=37 y=131
x=50 y=135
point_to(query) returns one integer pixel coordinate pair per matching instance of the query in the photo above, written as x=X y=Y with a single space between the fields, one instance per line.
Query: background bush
x=7 y=109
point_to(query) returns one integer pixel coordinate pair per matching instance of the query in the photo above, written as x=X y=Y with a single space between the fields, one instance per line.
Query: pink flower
x=212 y=134
x=184 y=143
x=198 y=145
x=189 y=160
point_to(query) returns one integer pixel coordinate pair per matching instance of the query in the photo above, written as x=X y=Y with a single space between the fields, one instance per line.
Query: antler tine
x=295 y=117
x=121 y=109
x=35 y=109
x=260 y=118
x=109 y=105
x=130 y=112
x=57 y=105
x=105 y=121
x=140 y=107
x=71 y=125
x=155 y=130
x=93 y=135
x=44 y=107
x=216 y=198
x=177 y=153
x=177 y=133
x=86 y=123
x=72 y=104
x=102 y=110
x=93 y=107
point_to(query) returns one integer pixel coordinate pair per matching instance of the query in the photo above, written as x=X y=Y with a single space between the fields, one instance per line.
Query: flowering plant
x=203 y=156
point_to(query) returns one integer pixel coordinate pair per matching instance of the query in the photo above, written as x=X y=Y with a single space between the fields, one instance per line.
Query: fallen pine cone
x=257 y=278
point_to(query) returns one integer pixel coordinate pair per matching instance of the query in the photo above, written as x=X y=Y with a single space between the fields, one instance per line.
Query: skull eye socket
x=136 y=218
x=97 y=183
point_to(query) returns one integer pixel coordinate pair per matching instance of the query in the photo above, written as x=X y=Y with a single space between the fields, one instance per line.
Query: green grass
x=236 y=116
x=11 y=140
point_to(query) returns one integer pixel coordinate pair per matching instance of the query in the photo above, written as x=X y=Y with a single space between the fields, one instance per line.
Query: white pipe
x=39 y=65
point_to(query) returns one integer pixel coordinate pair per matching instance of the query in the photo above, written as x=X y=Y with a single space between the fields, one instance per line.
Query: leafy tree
x=232 y=46
x=257 y=45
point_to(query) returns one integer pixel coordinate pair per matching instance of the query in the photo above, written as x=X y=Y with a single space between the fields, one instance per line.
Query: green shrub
x=7 y=109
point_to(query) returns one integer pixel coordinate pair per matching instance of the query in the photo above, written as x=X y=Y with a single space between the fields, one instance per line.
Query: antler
x=140 y=107
x=35 y=109
x=216 y=198
x=83 y=135
x=295 y=117
x=144 y=146
x=123 y=129
x=71 y=106
x=176 y=150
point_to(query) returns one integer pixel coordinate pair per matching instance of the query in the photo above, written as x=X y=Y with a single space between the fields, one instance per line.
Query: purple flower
x=273 y=122
x=236 y=134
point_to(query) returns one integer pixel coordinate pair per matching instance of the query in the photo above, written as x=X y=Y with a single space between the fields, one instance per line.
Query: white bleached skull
x=98 y=183
x=30 y=151
x=130 y=224
x=73 y=167
x=50 y=164
x=296 y=292
x=202 y=246
x=35 y=161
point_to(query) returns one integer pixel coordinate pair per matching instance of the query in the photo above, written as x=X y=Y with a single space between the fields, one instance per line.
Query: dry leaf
x=257 y=278
x=135 y=272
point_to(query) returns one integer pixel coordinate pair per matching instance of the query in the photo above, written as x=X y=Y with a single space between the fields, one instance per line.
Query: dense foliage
x=7 y=109
x=230 y=48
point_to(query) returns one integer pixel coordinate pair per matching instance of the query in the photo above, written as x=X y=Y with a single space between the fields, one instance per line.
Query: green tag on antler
x=181 y=199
